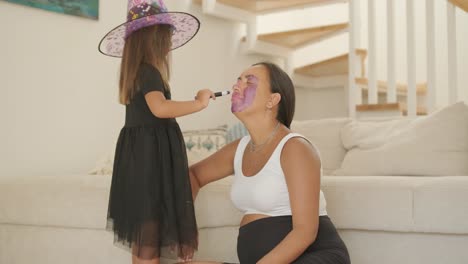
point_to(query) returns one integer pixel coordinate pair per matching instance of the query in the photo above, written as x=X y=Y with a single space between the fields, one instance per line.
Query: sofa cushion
x=369 y=203
x=82 y=200
x=371 y=133
x=427 y=146
x=441 y=205
x=71 y=201
x=213 y=206
x=325 y=134
x=396 y=203
x=388 y=203
x=218 y=244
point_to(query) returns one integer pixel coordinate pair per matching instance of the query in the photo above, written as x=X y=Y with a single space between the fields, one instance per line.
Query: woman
x=276 y=177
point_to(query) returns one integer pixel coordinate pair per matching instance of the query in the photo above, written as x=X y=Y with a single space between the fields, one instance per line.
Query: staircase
x=314 y=49
x=384 y=108
x=295 y=39
x=260 y=7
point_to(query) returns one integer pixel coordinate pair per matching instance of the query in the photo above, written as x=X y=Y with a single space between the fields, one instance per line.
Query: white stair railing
x=430 y=53
x=391 y=67
x=352 y=88
x=411 y=93
x=452 y=53
x=372 y=51
x=411 y=59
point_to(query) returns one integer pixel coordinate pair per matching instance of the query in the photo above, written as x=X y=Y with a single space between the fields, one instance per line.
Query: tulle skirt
x=150 y=203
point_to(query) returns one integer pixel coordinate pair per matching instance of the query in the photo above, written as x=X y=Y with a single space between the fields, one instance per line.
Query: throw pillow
x=435 y=145
x=325 y=135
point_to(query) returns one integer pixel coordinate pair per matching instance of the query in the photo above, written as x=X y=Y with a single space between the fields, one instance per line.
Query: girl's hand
x=203 y=97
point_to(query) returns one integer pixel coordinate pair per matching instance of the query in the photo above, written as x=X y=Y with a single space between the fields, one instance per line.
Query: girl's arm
x=163 y=108
x=301 y=166
x=213 y=168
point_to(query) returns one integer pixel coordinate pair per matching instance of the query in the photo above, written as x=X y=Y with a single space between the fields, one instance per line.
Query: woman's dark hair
x=282 y=84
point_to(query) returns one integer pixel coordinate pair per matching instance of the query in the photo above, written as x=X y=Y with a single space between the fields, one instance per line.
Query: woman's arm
x=213 y=168
x=301 y=166
x=163 y=108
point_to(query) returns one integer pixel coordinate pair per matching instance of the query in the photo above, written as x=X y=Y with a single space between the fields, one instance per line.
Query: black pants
x=259 y=237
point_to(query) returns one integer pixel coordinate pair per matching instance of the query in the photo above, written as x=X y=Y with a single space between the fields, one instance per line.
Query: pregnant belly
x=248 y=218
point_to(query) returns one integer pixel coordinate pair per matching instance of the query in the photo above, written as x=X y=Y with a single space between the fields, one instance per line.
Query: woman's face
x=251 y=86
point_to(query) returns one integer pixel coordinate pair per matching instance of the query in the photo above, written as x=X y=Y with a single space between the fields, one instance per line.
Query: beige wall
x=59 y=111
x=327 y=102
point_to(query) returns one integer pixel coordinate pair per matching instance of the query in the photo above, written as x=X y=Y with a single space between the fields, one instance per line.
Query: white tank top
x=265 y=192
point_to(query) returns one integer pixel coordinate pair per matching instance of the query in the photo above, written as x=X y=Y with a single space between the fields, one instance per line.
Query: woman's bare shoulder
x=299 y=149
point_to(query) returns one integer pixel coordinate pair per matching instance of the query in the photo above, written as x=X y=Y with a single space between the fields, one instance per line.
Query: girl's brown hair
x=149 y=45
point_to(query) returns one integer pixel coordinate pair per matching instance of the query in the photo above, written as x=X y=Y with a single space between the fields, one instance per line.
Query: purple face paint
x=242 y=99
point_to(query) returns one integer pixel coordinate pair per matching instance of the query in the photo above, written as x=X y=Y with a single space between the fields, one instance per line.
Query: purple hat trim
x=143 y=14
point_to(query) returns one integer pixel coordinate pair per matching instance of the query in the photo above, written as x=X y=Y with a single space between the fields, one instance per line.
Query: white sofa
x=397 y=190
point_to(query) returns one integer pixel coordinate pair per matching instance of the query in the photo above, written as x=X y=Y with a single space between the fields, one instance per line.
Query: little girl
x=150 y=204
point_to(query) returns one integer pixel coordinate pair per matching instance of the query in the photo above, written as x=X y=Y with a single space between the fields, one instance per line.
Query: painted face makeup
x=242 y=99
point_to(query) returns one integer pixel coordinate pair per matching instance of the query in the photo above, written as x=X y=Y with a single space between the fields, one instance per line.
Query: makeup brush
x=218 y=94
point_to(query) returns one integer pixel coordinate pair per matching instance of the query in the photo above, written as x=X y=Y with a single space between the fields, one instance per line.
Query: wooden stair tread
x=334 y=66
x=263 y=6
x=378 y=107
x=462 y=4
x=296 y=38
x=421 y=110
x=421 y=88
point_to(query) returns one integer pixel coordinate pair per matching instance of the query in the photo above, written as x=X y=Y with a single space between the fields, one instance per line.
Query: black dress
x=150 y=203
